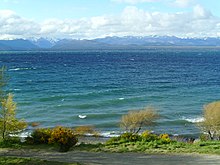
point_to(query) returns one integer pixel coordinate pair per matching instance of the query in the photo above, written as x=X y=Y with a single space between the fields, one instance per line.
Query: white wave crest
x=110 y=134
x=17 y=69
x=17 y=89
x=194 y=120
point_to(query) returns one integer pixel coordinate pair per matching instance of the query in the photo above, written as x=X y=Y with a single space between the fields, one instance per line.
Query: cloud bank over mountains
x=132 y=21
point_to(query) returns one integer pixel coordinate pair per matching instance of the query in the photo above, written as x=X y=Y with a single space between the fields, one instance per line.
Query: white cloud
x=131 y=21
x=133 y=1
x=200 y=12
x=14 y=26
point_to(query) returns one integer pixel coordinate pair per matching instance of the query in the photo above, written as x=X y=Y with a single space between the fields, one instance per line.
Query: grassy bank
x=30 y=152
x=30 y=161
x=209 y=147
x=123 y=145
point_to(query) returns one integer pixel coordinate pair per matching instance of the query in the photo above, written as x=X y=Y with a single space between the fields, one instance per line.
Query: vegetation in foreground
x=30 y=161
x=211 y=123
x=135 y=120
x=145 y=143
x=151 y=143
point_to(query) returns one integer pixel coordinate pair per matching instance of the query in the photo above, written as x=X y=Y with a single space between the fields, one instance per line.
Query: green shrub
x=12 y=142
x=148 y=136
x=39 y=136
x=164 y=138
x=112 y=141
x=152 y=144
x=204 y=137
x=146 y=140
x=124 y=138
x=64 y=137
x=129 y=137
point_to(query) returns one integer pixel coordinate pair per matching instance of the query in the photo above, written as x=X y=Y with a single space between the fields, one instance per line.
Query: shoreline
x=103 y=137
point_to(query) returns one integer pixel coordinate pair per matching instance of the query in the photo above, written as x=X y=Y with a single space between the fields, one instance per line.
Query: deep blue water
x=53 y=88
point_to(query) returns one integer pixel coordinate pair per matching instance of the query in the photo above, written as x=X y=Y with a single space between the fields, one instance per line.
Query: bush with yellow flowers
x=148 y=136
x=64 y=137
x=165 y=138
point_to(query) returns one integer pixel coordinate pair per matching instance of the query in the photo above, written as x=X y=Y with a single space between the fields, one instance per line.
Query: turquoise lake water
x=54 y=88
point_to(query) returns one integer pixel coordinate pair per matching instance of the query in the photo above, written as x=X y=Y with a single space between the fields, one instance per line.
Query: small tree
x=135 y=120
x=211 y=123
x=9 y=123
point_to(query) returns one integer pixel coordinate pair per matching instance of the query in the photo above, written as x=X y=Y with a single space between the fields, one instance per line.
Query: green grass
x=29 y=161
x=16 y=144
x=10 y=143
x=209 y=147
x=154 y=146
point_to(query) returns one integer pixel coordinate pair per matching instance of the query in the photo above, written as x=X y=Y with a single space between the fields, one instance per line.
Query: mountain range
x=128 y=42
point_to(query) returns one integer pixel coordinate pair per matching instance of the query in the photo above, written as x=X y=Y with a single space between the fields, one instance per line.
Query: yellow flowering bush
x=63 y=136
x=165 y=138
x=145 y=134
x=129 y=137
x=148 y=136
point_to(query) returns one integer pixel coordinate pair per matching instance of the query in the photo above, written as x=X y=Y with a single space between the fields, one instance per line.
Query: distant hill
x=128 y=42
x=160 y=41
x=4 y=47
x=79 y=44
x=18 y=44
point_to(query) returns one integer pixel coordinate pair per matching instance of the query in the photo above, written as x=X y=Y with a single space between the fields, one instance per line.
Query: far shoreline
x=125 y=49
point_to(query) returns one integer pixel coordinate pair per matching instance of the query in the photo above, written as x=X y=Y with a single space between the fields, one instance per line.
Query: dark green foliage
x=124 y=138
x=113 y=140
x=12 y=142
x=204 y=137
x=145 y=137
x=129 y=137
x=29 y=161
x=39 y=136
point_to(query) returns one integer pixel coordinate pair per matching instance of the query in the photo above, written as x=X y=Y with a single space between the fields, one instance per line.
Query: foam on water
x=194 y=120
x=17 y=69
x=110 y=134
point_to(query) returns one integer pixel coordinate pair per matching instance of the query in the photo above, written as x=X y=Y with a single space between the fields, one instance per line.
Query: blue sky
x=43 y=9
x=100 y=18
